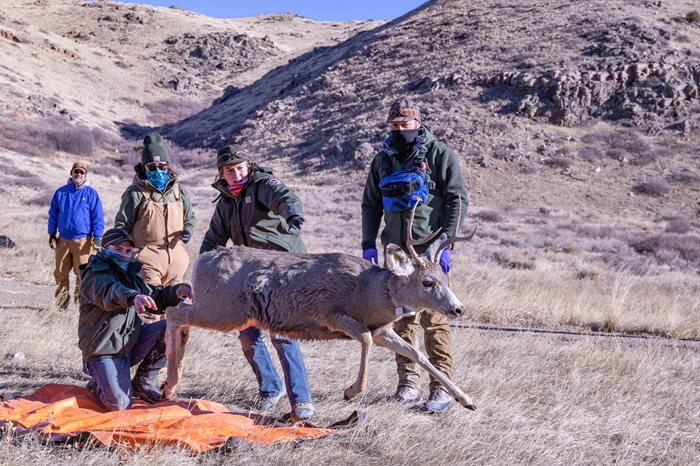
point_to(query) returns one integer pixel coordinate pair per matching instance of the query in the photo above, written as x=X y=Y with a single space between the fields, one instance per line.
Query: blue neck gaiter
x=158 y=178
x=119 y=259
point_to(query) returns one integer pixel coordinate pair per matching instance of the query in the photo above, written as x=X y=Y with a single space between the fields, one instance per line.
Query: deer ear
x=396 y=260
x=434 y=246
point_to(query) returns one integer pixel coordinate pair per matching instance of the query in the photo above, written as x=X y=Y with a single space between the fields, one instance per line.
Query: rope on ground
x=640 y=337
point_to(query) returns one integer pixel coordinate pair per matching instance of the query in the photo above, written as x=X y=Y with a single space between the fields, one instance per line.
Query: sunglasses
x=153 y=165
x=78 y=171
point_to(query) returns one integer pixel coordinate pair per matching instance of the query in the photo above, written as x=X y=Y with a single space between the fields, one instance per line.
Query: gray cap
x=116 y=236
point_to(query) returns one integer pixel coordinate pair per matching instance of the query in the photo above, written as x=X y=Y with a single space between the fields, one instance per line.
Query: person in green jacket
x=111 y=335
x=411 y=150
x=257 y=210
x=157 y=212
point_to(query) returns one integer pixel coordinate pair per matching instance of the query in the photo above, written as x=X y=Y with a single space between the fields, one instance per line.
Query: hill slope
x=101 y=63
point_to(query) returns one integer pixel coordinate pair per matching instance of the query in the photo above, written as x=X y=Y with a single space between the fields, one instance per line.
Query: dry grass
x=542 y=399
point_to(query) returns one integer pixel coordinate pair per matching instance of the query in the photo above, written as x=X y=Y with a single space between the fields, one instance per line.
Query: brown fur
x=312 y=296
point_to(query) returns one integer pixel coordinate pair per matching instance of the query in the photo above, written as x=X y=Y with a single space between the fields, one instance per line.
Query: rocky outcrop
x=223 y=50
x=651 y=95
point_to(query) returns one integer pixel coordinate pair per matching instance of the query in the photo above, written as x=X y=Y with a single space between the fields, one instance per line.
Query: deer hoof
x=167 y=392
x=467 y=403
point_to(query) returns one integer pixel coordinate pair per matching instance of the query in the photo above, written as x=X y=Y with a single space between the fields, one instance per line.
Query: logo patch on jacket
x=248 y=200
x=273 y=182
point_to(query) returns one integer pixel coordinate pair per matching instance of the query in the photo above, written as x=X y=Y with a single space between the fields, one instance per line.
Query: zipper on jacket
x=240 y=218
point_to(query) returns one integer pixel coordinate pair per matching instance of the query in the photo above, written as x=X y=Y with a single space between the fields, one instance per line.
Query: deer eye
x=428 y=283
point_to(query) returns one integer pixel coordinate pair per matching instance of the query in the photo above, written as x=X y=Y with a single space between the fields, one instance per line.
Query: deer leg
x=176 y=336
x=386 y=337
x=354 y=329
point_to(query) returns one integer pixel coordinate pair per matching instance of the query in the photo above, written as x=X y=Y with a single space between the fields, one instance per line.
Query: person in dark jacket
x=76 y=224
x=411 y=149
x=257 y=210
x=111 y=335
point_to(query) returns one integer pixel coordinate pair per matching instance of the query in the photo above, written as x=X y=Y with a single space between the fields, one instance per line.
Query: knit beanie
x=154 y=147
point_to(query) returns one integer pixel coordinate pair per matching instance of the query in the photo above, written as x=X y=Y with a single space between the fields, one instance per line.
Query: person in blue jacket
x=76 y=225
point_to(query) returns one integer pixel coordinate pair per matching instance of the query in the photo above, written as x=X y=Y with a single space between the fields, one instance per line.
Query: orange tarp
x=63 y=411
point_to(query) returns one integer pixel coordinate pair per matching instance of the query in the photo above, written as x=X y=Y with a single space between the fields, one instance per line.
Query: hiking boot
x=144 y=386
x=439 y=401
x=302 y=411
x=91 y=385
x=406 y=395
x=266 y=404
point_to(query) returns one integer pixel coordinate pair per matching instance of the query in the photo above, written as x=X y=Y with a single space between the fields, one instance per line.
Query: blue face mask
x=158 y=177
x=119 y=259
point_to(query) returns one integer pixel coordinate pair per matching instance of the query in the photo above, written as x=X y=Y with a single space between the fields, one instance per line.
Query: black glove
x=53 y=242
x=96 y=242
x=186 y=236
x=295 y=222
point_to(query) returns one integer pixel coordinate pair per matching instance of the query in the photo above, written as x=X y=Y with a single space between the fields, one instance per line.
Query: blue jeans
x=295 y=377
x=110 y=375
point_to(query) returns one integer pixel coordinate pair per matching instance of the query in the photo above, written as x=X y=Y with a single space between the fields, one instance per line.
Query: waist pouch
x=403 y=189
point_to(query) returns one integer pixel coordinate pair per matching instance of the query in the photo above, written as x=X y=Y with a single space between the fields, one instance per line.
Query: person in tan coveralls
x=157 y=212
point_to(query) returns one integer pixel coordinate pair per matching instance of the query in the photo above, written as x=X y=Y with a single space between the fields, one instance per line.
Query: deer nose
x=458 y=311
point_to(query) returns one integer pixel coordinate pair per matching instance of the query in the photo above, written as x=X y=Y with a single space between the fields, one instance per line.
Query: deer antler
x=456 y=239
x=410 y=241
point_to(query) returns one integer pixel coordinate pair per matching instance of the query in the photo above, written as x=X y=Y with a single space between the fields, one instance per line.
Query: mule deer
x=317 y=297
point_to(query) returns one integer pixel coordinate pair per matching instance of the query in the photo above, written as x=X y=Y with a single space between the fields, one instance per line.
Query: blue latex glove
x=295 y=222
x=445 y=260
x=186 y=236
x=371 y=255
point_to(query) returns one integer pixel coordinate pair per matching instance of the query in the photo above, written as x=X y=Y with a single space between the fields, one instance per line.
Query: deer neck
x=393 y=284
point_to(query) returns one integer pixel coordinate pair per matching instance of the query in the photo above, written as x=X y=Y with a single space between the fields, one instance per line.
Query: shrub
x=77 y=140
x=678 y=225
x=685 y=177
x=171 y=110
x=37 y=137
x=488 y=216
x=588 y=273
x=687 y=246
x=43 y=198
x=616 y=154
x=590 y=153
x=693 y=16
x=557 y=162
x=655 y=187
x=194 y=158
x=507 y=263
x=529 y=170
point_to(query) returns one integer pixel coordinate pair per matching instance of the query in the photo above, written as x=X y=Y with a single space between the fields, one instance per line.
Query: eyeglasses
x=78 y=171
x=153 y=165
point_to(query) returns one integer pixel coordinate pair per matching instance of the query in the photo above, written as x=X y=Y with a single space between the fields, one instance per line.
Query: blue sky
x=322 y=10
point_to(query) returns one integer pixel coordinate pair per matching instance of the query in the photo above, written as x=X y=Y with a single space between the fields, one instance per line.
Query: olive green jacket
x=446 y=187
x=133 y=201
x=108 y=324
x=257 y=217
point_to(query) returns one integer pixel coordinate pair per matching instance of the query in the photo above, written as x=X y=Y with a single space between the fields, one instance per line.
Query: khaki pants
x=438 y=341
x=70 y=254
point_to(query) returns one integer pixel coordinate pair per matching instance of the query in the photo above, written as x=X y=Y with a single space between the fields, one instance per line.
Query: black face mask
x=402 y=140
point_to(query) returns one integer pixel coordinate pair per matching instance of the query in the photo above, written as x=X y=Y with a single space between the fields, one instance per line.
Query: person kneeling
x=111 y=335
